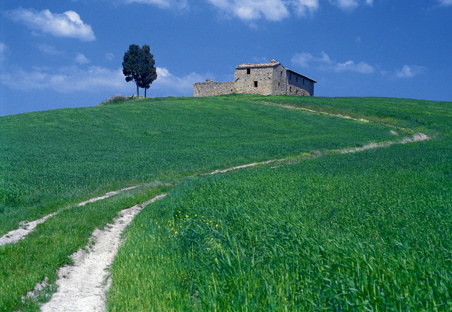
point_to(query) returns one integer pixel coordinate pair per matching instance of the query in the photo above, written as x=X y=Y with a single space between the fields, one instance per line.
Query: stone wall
x=210 y=88
x=279 y=80
x=254 y=80
x=301 y=82
x=293 y=90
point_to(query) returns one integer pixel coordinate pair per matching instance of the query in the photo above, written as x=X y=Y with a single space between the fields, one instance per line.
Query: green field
x=318 y=230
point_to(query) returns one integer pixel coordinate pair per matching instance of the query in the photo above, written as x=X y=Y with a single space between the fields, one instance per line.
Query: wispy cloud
x=164 y=4
x=169 y=84
x=305 y=7
x=325 y=63
x=445 y=2
x=253 y=10
x=249 y=10
x=48 y=49
x=68 y=24
x=71 y=79
x=64 y=79
x=81 y=59
x=349 y=5
x=409 y=71
x=3 y=48
x=109 y=57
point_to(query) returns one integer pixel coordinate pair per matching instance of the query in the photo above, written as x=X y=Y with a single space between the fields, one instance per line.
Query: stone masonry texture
x=264 y=78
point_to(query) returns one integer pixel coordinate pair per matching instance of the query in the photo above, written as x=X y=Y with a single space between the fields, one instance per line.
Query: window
x=255 y=84
x=296 y=79
x=248 y=71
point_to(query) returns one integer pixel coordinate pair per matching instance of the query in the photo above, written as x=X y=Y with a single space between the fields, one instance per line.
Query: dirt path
x=83 y=285
x=26 y=228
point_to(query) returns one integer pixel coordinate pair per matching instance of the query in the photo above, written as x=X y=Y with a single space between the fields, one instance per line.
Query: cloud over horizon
x=68 y=24
x=69 y=79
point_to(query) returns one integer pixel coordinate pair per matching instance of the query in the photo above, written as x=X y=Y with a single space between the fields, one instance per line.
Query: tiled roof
x=272 y=63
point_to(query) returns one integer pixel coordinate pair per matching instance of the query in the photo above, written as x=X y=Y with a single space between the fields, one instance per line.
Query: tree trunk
x=138 y=92
x=145 y=92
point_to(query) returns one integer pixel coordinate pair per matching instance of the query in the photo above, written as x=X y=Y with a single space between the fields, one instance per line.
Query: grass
x=38 y=257
x=356 y=232
x=364 y=231
x=58 y=158
x=343 y=235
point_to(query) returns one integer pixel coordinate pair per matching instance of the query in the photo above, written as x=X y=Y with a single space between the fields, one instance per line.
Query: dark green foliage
x=139 y=66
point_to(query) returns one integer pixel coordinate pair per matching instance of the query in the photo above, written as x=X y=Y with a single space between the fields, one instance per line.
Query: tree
x=138 y=66
x=148 y=72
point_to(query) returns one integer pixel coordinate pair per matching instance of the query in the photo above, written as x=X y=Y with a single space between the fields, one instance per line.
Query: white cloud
x=64 y=79
x=81 y=59
x=445 y=2
x=164 y=4
x=94 y=78
x=68 y=24
x=168 y=84
x=360 y=67
x=303 y=7
x=409 y=71
x=325 y=63
x=248 y=10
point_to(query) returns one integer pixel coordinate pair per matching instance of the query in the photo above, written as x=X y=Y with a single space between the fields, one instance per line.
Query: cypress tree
x=139 y=66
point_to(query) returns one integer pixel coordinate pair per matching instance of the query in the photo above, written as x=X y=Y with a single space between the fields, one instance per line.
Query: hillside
x=314 y=229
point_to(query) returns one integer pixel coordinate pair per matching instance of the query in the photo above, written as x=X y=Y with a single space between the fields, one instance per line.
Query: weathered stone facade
x=265 y=78
x=210 y=88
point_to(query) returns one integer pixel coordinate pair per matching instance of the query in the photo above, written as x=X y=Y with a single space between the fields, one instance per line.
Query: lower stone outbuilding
x=263 y=78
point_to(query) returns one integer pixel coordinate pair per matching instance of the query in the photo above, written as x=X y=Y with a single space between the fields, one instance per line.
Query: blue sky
x=68 y=53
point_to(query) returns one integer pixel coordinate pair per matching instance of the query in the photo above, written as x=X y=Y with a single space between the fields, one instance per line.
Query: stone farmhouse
x=264 y=78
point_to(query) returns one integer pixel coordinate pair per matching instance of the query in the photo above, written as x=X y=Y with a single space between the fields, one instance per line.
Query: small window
x=255 y=84
x=296 y=79
x=281 y=74
x=248 y=71
x=290 y=76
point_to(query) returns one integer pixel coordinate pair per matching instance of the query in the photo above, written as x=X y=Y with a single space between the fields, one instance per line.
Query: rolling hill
x=347 y=211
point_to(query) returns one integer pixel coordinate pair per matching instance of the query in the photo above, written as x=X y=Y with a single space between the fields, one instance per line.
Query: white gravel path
x=27 y=227
x=83 y=285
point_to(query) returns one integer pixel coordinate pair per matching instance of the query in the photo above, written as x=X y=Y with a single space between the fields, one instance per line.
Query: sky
x=69 y=53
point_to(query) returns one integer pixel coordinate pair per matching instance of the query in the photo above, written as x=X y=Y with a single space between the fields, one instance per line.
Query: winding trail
x=83 y=285
x=26 y=228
